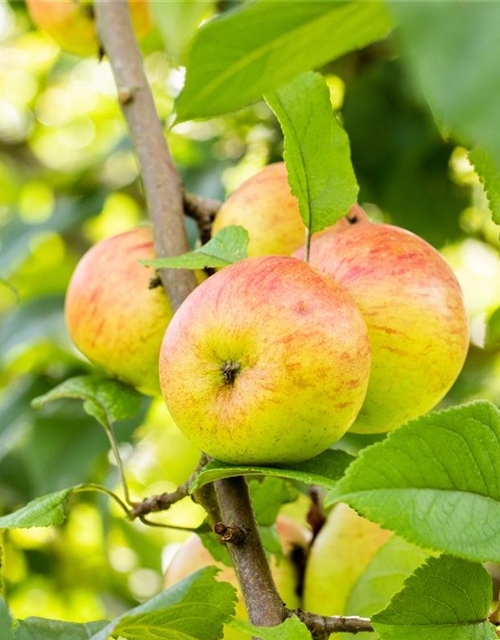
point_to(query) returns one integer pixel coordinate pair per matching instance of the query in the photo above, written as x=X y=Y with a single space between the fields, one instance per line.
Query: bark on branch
x=323 y=626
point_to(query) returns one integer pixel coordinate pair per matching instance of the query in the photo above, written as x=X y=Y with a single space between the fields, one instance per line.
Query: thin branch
x=165 y=201
x=203 y=210
x=164 y=501
x=161 y=181
x=323 y=626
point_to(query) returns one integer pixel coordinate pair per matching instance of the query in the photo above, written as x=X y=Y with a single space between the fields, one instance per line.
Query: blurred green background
x=68 y=177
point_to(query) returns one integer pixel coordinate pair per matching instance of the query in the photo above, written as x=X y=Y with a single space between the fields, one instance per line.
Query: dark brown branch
x=164 y=501
x=262 y=600
x=164 y=196
x=322 y=626
x=161 y=181
x=230 y=533
x=203 y=210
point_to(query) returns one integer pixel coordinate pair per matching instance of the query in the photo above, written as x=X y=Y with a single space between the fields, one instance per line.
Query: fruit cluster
x=271 y=360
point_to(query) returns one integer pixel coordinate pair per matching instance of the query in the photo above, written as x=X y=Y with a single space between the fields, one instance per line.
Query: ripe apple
x=71 y=23
x=265 y=206
x=337 y=559
x=414 y=310
x=193 y=556
x=112 y=314
x=265 y=362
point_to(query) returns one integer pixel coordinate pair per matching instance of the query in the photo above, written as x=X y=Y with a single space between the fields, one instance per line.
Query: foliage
x=446 y=497
x=317 y=151
x=228 y=246
x=446 y=595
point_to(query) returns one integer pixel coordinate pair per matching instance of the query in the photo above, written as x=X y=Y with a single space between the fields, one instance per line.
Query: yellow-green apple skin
x=266 y=362
x=338 y=557
x=193 y=556
x=71 y=23
x=113 y=316
x=415 y=312
x=265 y=206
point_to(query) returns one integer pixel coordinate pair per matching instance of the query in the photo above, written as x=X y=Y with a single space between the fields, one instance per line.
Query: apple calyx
x=230 y=370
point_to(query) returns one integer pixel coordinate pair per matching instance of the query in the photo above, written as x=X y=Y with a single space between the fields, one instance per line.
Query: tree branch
x=161 y=181
x=264 y=605
x=164 y=501
x=164 y=196
x=323 y=626
x=203 y=210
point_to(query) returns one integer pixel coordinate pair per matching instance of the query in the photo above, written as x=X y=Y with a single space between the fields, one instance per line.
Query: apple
x=113 y=316
x=265 y=206
x=338 y=557
x=71 y=23
x=266 y=362
x=192 y=556
x=414 y=310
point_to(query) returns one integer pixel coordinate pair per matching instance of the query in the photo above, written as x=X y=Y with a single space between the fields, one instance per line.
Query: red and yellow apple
x=265 y=206
x=414 y=309
x=113 y=316
x=266 y=362
x=338 y=558
x=71 y=23
x=193 y=556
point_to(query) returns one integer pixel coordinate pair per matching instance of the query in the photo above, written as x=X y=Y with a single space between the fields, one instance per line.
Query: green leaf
x=44 y=511
x=5 y=621
x=178 y=21
x=8 y=285
x=383 y=577
x=492 y=336
x=104 y=399
x=240 y=56
x=268 y=496
x=324 y=470
x=317 y=151
x=434 y=481
x=41 y=629
x=453 y=48
x=228 y=246
x=488 y=172
x=291 y=629
x=445 y=598
x=194 y=609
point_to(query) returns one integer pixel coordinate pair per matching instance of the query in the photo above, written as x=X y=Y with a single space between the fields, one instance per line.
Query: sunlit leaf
x=240 y=56
x=434 y=481
x=228 y=246
x=489 y=174
x=317 y=151
x=104 y=399
x=445 y=598
x=324 y=470
x=291 y=629
x=194 y=609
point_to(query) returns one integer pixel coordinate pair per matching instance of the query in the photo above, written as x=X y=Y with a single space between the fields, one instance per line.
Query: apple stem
x=308 y=244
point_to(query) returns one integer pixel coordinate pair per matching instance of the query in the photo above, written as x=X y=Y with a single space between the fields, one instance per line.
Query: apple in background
x=71 y=23
x=266 y=362
x=265 y=206
x=414 y=310
x=112 y=314
x=338 y=557
x=192 y=556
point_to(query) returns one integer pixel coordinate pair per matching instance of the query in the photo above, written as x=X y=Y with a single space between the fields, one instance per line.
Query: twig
x=119 y=462
x=322 y=626
x=164 y=501
x=203 y=210
x=230 y=533
x=165 y=201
